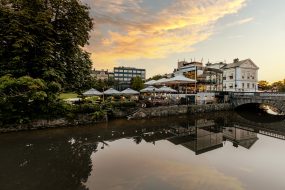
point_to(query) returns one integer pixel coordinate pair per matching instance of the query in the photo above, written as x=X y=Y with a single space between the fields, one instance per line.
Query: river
x=223 y=150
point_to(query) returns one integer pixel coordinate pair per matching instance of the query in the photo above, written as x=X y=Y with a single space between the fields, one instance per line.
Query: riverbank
x=141 y=113
x=163 y=111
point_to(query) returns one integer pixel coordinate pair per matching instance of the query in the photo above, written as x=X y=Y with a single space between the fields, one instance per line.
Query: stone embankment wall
x=161 y=111
x=50 y=123
x=178 y=109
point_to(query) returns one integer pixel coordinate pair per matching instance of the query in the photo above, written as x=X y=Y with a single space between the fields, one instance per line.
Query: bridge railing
x=262 y=94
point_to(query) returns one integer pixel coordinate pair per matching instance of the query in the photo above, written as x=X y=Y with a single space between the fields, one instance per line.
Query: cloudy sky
x=155 y=34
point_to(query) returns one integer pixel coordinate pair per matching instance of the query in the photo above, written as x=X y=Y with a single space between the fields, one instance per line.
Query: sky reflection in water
x=213 y=151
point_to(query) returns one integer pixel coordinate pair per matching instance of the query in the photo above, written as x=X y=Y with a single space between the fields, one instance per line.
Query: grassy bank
x=68 y=95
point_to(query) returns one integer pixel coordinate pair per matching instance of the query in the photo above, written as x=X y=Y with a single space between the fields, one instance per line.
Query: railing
x=262 y=94
x=271 y=134
x=272 y=94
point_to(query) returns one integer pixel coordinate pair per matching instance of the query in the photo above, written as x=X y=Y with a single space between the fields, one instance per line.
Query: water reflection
x=68 y=158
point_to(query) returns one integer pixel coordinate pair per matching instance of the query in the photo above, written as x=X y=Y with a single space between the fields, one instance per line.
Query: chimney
x=236 y=60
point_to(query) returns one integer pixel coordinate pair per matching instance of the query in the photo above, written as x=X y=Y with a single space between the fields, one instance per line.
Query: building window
x=242 y=85
x=247 y=85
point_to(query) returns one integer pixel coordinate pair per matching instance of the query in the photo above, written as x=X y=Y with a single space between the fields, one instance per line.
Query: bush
x=123 y=104
x=86 y=108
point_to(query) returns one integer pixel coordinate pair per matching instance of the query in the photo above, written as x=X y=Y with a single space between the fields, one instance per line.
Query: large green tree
x=44 y=39
x=41 y=53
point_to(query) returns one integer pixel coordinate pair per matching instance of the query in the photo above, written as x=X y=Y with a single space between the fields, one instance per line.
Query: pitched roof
x=238 y=64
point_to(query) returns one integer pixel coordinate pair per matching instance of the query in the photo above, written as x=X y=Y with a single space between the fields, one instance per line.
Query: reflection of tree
x=137 y=139
x=47 y=160
x=51 y=165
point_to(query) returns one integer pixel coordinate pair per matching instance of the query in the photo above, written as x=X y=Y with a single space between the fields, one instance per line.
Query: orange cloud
x=130 y=35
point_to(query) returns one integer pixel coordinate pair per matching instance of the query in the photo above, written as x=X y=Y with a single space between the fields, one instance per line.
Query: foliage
x=137 y=83
x=129 y=104
x=43 y=39
x=279 y=86
x=68 y=95
x=86 y=108
x=264 y=85
x=102 y=85
x=41 y=54
x=22 y=98
x=156 y=77
x=98 y=115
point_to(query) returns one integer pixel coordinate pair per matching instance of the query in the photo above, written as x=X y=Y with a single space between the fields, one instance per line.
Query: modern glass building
x=124 y=75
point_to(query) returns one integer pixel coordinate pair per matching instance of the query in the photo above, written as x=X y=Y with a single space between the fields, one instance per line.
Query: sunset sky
x=155 y=34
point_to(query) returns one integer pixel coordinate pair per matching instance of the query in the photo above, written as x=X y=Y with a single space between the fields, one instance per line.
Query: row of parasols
x=180 y=79
x=129 y=91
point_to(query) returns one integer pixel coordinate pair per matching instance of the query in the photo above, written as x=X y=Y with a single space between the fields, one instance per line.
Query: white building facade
x=240 y=76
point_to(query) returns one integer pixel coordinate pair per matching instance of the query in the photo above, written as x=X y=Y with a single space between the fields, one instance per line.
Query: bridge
x=276 y=100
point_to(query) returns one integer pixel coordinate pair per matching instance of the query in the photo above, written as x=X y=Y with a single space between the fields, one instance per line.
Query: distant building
x=124 y=75
x=240 y=76
x=102 y=74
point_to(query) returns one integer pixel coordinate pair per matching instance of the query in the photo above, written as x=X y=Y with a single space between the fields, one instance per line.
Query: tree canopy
x=137 y=83
x=278 y=86
x=44 y=39
x=41 y=53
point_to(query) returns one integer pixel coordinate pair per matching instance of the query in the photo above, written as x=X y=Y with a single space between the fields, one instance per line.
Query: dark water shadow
x=258 y=113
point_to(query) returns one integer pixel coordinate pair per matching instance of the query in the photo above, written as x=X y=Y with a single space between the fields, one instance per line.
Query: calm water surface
x=213 y=151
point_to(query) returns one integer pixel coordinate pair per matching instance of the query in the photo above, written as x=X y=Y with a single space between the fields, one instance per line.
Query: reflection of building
x=102 y=74
x=240 y=137
x=124 y=75
x=206 y=139
x=240 y=76
x=205 y=135
x=202 y=137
